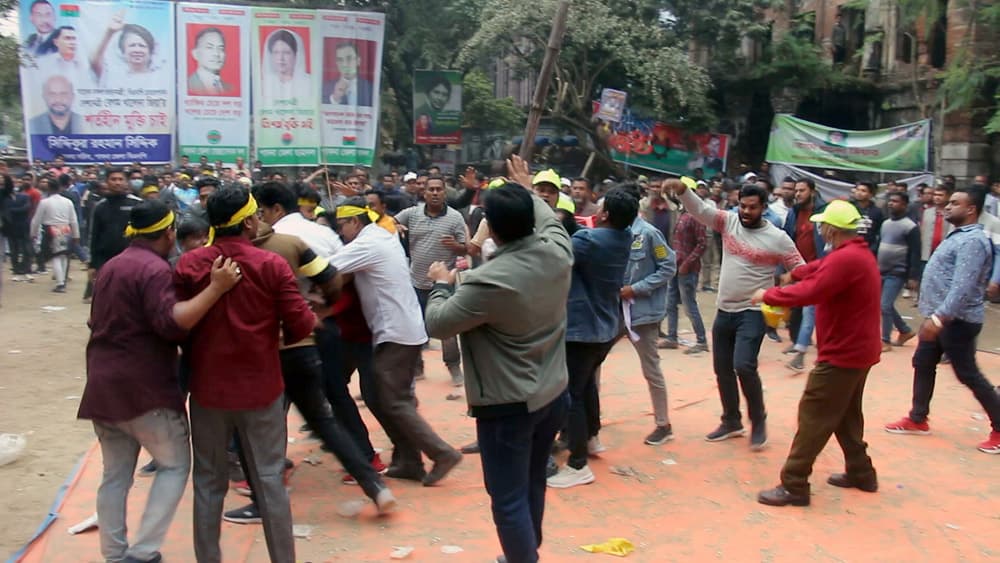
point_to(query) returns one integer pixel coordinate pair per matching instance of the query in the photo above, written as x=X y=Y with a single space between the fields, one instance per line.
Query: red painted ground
x=939 y=498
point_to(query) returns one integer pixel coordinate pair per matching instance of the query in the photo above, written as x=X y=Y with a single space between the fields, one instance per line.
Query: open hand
x=518 y=171
x=225 y=274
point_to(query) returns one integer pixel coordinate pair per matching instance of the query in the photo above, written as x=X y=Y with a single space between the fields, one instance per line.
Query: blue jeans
x=806 y=328
x=514 y=450
x=682 y=289
x=736 y=339
x=891 y=286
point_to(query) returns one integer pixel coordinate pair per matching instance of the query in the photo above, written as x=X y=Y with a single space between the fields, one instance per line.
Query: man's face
x=43 y=17
x=803 y=193
x=347 y=62
x=548 y=193
x=654 y=188
x=714 y=144
x=210 y=52
x=387 y=180
x=959 y=209
x=185 y=161
x=375 y=203
x=411 y=186
x=66 y=44
x=117 y=184
x=862 y=194
x=787 y=191
x=896 y=206
x=203 y=160
x=354 y=186
x=269 y=213
x=438 y=97
x=580 y=192
x=927 y=196
x=434 y=194
x=421 y=185
x=751 y=209
x=240 y=162
x=203 y=193
x=282 y=59
x=940 y=198
x=58 y=96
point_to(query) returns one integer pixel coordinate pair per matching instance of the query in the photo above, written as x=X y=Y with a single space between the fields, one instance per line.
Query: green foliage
x=482 y=110
x=971 y=79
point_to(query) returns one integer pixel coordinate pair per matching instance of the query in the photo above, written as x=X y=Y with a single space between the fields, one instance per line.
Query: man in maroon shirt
x=132 y=394
x=845 y=287
x=236 y=381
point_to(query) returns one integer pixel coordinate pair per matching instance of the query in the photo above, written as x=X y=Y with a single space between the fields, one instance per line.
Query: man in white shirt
x=65 y=61
x=210 y=54
x=279 y=208
x=54 y=226
x=392 y=312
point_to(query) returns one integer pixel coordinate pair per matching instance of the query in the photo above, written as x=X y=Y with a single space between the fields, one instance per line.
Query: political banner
x=903 y=148
x=653 y=145
x=612 y=105
x=213 y=81
x=351 y=50
x=285 y=87
x=437 y=102
x=97 y=80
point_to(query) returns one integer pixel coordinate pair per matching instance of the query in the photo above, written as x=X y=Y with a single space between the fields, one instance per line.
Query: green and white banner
x=798 y=142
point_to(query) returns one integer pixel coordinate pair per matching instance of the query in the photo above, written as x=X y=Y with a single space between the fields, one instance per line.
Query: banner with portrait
x=351 y=51
x=97 y=80
x=654 y=145
x=213 y=81
x=286 y=86
x=437 y=107
x=904 y=148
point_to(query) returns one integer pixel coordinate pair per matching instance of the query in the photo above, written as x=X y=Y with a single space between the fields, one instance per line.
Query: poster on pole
x=351 y=52
x=654 y=145
x=97 y=80
x=437 y=103
x=612 y=105
x=285 y=86
x=904 y=148
x=213 y=81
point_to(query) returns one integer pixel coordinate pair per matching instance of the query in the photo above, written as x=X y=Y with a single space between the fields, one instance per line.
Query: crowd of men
x=525 y=277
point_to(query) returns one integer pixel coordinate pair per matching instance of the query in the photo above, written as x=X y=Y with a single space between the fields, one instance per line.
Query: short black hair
x=308 y=193
x=147 y=214
x=621 y=207
x=64 y=180
x=191 y=226
x=203 y=181
x=377 y=193
x=976 y=195
x=582 y=179
x=58 y=32
x=358 y=201
x=206 y=31
x=150 y=180
x=807 y=181
x=753 y=190
x=436 y=79
x=632 y=189
x=787 y=179
x=870 y=186
x=276 y=193
x=510 y=212
x=115 y=170
x=901 y=195
x=222 y=205
x=39 y=2
x=902 y=184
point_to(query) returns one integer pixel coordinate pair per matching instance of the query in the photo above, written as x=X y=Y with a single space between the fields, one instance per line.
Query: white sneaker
x=595 y=447
x=568 y=477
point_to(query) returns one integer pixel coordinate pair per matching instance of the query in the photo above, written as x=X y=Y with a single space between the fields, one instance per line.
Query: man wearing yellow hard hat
x=845 y=286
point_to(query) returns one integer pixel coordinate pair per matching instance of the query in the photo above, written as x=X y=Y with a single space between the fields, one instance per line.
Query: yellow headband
x=304 y=202
x=246 y=211
x=345 y=211
x=167 y=220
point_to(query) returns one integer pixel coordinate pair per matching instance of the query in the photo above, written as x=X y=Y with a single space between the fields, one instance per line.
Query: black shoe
x=773 y=335
x=415 y=473
x=780 y=496
x=472 y=448
x=59 y=289
x=758 y=436
x=845 y=481
x=660 y=435
x=304 y=427
x=131 y=559
x=724 y=432
x=246 y=515
x=442 y=467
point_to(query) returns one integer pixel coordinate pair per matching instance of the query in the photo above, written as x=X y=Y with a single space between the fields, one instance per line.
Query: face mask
x=136 y=184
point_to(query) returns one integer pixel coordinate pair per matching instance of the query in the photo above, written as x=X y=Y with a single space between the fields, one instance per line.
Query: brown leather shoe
x=442 y=467
x=780 y=496
x=414 y=473
x=845 y=481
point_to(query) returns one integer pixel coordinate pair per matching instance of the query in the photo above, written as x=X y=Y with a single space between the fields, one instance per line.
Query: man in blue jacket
x=593 y=319
x=651 y=266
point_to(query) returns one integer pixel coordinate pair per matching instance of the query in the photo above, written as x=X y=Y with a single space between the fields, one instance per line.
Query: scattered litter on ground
x=313 y=460
x=72 y=397
x=614 y=546
x=669 y=461
x=88 y=524
x=351 y=508
x=451 y=549
x=52 y=309
x=303 y=530
x=453 y=396
x=13 y=351
x=11 y=447
x=952 y=527
x=400 y=551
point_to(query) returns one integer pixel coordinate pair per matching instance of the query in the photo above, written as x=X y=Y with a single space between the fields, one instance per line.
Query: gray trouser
x=409 y=432
x=164 y=434
x=649 y=359
x=263 y=437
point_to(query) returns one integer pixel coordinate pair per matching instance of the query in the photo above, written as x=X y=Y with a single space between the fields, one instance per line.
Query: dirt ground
x=42 y=375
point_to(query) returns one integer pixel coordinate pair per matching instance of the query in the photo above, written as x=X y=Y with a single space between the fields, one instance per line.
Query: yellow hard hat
x=774 y=315
x=547 y=177
x=839 y=213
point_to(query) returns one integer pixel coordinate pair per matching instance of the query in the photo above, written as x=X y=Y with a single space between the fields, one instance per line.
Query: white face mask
x=136 y=184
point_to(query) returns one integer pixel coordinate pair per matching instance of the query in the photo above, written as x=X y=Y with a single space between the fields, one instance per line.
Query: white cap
x=747 y=177
x=409 y=176
x=566 y=182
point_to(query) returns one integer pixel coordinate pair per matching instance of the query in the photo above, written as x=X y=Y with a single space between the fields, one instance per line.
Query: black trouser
x=958 y=340
x=300 y=368
x=20 y=253
x=736 y=339
x=794 y=324
x=582 y=361
x=830 y=405
x=331 y=350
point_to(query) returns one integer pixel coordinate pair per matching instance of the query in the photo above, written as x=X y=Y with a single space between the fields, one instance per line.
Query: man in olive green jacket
x=511 y=315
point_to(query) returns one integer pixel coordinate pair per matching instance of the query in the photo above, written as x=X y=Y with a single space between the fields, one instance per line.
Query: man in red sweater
x=845 y=288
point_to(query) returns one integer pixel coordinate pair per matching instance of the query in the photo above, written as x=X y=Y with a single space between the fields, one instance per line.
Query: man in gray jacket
x=511 y=314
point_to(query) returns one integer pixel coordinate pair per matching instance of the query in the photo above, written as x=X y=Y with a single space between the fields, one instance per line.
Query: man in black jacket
x=107 y=231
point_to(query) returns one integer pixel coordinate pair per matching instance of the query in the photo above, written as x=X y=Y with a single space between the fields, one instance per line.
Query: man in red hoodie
x=845 y=287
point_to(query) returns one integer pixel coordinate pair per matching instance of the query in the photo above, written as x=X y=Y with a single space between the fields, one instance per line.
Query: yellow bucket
x=774 y=315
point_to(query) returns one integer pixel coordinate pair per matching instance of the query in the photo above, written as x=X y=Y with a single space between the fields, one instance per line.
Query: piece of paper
x=627 y=314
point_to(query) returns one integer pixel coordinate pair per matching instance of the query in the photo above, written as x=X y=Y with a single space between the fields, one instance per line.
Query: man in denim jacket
x=652 y=264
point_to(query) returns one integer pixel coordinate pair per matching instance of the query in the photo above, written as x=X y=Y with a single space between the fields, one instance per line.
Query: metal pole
x=544 y=77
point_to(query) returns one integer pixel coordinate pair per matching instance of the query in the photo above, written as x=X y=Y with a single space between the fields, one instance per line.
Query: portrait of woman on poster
x=283 y=69
x=134 y=62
